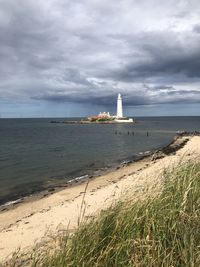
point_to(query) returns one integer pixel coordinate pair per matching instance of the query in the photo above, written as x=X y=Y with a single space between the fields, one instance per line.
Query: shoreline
x=92 y=122
x=34 y=224
x=74 y=181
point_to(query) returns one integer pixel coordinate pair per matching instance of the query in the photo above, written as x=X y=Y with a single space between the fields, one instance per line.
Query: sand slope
x=32 y=222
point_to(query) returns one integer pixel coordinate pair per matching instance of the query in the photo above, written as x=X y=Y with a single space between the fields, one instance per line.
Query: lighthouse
x=119 y=116
x=119 y=107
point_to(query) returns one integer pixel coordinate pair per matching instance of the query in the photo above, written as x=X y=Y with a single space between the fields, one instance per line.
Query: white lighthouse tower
x=119 y=116
x=119 y=107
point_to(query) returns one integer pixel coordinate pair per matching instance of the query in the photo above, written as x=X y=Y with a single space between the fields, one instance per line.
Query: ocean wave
x=9 y=203
x=78 y=178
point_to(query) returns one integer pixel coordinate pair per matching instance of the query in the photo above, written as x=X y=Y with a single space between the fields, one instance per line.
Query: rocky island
x=104 y=117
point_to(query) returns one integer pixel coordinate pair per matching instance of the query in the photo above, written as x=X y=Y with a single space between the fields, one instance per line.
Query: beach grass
x=160 y=231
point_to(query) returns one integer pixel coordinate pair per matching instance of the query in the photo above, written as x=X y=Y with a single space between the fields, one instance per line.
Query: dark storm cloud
x=106 y=99
x=161 y=57
x=87 y=52
x=142 y=96
x=197 y=28
x=188 y=65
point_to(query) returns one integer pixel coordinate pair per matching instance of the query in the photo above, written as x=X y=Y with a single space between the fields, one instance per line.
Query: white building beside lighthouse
x=119 y=116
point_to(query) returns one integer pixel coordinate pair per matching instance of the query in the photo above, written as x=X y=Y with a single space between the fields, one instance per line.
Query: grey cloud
x=161 y=57
x=88 y=52
x=142 y=96
x=158 y=87
x=196 y=28
x=106 y=100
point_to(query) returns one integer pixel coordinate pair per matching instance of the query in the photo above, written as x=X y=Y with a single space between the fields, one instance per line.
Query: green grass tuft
x=164 y=231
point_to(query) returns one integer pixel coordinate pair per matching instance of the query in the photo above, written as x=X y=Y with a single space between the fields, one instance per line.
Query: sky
x=61 y=58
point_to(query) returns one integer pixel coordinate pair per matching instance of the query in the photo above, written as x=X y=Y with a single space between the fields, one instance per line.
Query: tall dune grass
x=163 y=231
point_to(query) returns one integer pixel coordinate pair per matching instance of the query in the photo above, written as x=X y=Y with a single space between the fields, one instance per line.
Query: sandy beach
x=31 y=223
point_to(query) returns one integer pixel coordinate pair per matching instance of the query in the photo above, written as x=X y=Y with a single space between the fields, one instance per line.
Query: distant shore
x=31 y=222
x=90 y=122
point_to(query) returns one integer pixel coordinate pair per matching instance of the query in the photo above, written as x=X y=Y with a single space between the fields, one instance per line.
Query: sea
x=36 y=154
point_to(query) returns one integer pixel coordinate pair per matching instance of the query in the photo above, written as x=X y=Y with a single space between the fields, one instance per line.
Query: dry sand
x=34 y=222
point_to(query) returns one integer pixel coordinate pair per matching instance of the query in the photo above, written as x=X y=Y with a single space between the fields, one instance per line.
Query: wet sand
x=35 y=221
